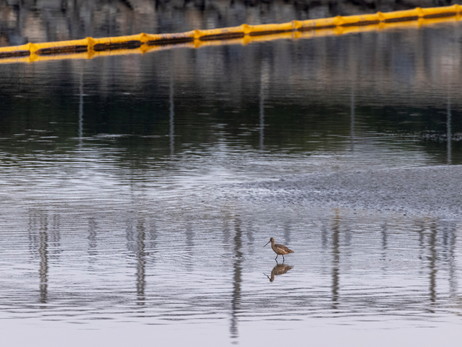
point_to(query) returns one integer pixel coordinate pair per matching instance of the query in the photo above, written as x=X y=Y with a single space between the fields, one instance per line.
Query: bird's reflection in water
x=279 y=269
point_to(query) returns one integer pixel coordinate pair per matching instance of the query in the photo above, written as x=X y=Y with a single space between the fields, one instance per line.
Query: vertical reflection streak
x=384 y=232
x=449 y=132
x=237 y=279
x=141 y=262
x=189 y=246
x=453 y=287
x=335 y=260
x=432 y=264
x=352 y=118
x=264 y=77
x=421 y=231
x=92 y=241
x=80 y=134
x=171 y=134
x=43 y=253
x=262 y=117
x=353 y=66
x=287 y=229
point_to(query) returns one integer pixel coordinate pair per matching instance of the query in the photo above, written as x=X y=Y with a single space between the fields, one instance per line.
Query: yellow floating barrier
x=220 y=34
x=141 y=43
x=60 y=47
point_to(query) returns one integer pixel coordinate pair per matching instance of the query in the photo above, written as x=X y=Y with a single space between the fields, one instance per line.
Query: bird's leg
x=277 y=255
x=283 y=260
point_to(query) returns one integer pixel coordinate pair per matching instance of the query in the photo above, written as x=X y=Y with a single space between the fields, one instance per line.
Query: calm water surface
x=118 y=224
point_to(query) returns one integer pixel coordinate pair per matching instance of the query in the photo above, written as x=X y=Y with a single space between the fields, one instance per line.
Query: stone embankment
x=24 y=21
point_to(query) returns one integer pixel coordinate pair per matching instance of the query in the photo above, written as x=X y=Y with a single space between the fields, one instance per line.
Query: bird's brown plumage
x=279 y=249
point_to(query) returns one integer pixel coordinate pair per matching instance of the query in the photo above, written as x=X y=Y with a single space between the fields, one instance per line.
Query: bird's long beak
x=267 y=243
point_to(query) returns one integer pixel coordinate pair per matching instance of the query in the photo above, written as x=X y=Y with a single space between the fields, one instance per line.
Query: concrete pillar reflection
x=421 y=230
x=140 y=262
x=335 y=261
x=354 y=68
x=449 y=132
x=352 y=118
x=452 y=242
x=264 y=81
x=237 y=279
x=136 y=244
x=43 y=253
x=92 y=242
x=44 y=243
x=432 y=266
x=287 y=230
x=189 y=246
x=81 y=95
x=384 y=234
x=171 y=133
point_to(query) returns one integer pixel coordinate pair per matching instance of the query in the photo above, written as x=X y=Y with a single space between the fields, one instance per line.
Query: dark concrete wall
x=49 y=20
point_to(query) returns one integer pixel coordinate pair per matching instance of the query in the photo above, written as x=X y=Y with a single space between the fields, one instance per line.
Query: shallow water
x=132 y=206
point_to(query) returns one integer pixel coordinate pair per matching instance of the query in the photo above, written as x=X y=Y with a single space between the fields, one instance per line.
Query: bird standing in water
x=279 y=249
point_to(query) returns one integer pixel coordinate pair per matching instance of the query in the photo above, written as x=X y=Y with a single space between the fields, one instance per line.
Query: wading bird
x=279 y=249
